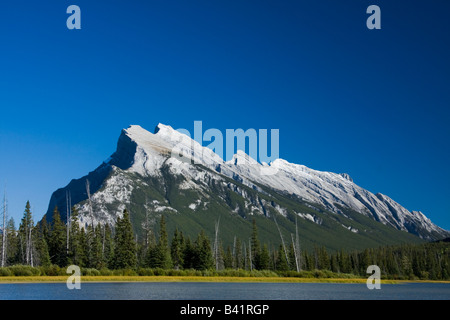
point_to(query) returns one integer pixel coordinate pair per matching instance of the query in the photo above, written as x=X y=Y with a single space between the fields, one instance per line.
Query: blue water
x=223 y=291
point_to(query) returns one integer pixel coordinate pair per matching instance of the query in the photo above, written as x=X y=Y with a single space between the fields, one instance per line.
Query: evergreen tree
x=12 y=244
x=248 y=264
x=141 y=254
x=291 y=255
x=176 y=249
x=364 y=261
x=57 y=245
x=125 y=245
x=344 y=262
x=43 y=258
x=323 y=259
x=82 y=253
x=160 y=255
x=97 y=260
x=108 y=247
x=189 y=254
x=264 y=260
x=228 y=258
x=89 y=243
x=312 y=260
x=26 y=237
x=334 y=265
x=220 y=265
x=281 y=264
x=44 y=229
x=406 y=266
x=238 y=259
x=255 y=247
x=203 y=253
x=76 y=250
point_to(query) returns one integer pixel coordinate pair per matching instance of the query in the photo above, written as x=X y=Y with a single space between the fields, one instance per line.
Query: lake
x=223 y=291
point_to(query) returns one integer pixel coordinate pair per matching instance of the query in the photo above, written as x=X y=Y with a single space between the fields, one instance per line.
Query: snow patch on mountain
x=150 y=154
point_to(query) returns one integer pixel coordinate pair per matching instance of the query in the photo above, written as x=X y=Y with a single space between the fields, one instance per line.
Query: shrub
x=52 y=270
x=5 y=272
x=105 y=272
x=159 y=272
x=209 y=273
x=90 y=272
x=190 y=272
x=24 y=271
x=174 y=272
x=265 y=273
x=129 y=272
x=145 y=272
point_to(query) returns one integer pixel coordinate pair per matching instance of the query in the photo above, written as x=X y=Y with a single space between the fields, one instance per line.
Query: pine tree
x=44 y=229
x=238 y=259
x=228 y=258
x=176 y=249
x=324 y=259
x=97 y=260
x=255 y=247
x=281 y=264
x=406 y=265
x=188 y=254
x=57 y=245
x=273 y=259
x=160 y=255
x=108 y=248
x=76 y=243
x=310 y=261
x=89 y=246
x=364 y=261
x=264 y=260
x=344 y=262
x=334 y=265
x=220 y=264
x=125 y=245
x=203 y=253
x=26 y=239
x=82 y=253
x=12 y=244
x=43 y=258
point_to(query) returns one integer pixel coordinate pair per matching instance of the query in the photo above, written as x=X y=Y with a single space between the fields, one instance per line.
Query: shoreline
x=105 y=279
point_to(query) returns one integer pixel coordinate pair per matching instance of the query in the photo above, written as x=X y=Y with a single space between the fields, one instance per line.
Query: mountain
x=148 y=176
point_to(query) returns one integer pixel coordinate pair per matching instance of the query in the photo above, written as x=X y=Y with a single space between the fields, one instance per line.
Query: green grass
x=134 y=278
x=36 y=279
x=23 y=274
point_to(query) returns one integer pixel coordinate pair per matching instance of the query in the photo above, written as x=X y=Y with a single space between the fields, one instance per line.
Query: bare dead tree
x=216 y=244
x=297 y=246
x=282 y=240
x=30 y=247
x=295 y=253
x=68 y=215
x=146 y=225
x=250 y=253
x=234 y=262
x=88 y=191
x=4 y=233
x=245 y=256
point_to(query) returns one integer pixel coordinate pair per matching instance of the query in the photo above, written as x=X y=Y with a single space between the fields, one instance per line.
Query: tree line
x=106 y=247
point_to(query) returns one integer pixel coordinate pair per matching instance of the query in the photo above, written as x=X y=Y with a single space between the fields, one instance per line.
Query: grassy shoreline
x=54 y=274
x=63 y=279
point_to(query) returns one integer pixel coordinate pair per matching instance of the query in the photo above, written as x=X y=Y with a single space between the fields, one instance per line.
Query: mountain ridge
x=241 y=186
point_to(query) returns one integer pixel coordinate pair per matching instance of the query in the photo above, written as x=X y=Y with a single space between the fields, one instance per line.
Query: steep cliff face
x=168 y=173
x=123 y=158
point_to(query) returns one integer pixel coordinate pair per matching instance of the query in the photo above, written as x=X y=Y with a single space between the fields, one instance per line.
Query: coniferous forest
x=48 y=248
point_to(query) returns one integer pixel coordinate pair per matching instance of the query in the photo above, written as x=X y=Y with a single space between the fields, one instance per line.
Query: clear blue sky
x=372 y=103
